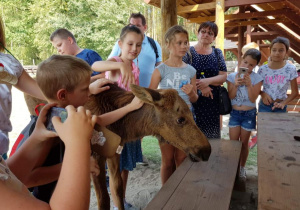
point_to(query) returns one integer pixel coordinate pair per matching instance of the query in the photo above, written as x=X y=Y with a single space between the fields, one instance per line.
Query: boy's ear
x=61 y=95
x=70 y=40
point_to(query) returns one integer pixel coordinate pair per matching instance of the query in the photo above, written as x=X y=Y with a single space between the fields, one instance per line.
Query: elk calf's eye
x=180 y=120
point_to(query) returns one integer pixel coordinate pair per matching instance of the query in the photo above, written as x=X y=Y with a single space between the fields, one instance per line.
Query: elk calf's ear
x=146 y=95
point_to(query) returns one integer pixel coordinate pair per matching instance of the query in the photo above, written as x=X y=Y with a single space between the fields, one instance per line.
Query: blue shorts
x=244 y=119
x=268 y=108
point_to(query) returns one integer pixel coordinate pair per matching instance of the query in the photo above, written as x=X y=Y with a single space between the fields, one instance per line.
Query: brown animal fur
x=164 y=115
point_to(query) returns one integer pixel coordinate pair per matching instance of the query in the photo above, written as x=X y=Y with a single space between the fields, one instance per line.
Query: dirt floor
x=144 y=182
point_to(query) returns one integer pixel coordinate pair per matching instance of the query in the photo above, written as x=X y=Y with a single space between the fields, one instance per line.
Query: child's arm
x=73 y=187
x=155 y=79
x=111 y=65
x=111 y=117
x=294 y=93
x=253 y=90
x=43 y=175
x=232 y=88
x=191 y=90
x=26 y=158
x=29 y=85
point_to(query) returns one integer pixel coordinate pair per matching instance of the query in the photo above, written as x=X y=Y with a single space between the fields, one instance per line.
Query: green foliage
x=151 y=149
x=96 y=24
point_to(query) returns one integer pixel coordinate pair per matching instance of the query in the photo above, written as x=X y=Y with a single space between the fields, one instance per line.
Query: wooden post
x=248 y=34
x=241 y=31
x=168 y=19
x=220 y=5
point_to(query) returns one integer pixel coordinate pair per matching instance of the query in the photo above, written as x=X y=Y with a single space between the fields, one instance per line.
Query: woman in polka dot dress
x=211 y=73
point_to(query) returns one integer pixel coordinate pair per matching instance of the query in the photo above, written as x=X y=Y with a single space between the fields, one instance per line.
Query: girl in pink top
x=121 y=69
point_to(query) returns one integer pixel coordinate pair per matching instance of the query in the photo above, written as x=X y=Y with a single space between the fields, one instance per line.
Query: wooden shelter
x=257 y=21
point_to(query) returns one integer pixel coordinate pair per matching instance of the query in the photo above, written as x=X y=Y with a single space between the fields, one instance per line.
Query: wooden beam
x=269 y=33
x=240 y=16
x=235 y=3
x=196 y=8
x=255 y=22
x=169 y=19
x=220 y=8
x=293 y=17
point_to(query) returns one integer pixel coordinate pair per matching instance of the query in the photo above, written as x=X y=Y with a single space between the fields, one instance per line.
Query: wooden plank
x=196 y=8
x=278 y=158
x=167 y=190
x=236 y=3
x=255 y=22
x=205 y=185
x=240 y=16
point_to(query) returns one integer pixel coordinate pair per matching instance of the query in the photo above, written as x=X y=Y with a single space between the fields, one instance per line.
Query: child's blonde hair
x=171 y=32
x=61 y=72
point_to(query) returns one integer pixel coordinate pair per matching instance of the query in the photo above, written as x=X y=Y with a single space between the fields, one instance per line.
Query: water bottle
x=201 y=77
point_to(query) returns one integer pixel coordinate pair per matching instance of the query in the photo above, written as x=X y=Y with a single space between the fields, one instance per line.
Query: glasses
x=210 y=33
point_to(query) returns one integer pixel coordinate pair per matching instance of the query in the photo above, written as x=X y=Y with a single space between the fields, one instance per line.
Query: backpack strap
x=153 y=45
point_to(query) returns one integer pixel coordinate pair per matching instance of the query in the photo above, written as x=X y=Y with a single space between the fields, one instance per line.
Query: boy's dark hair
x=254 y=53
x=62 y=33
x=138 y=15
x=211 y=25
x=281 y=40
x=61 y=72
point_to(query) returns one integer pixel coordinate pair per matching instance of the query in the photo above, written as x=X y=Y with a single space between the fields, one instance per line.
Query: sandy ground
x=144 y=181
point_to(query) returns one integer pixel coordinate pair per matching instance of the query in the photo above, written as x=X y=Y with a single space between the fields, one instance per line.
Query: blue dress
x=206 y=110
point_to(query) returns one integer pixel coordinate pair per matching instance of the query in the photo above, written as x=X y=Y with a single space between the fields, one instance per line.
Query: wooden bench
x=278 y=156
x=202 y=185
x=294 y=105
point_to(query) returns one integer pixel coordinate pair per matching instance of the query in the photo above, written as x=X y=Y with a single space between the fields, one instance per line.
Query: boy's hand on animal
x=247 y=80
x=136 y=103
x=278 y=105
x=40 y=132
x=94 y=167
x=78 y=126
x=127 y=75
x=267 y=100
x=206 y=92
x=97 y=86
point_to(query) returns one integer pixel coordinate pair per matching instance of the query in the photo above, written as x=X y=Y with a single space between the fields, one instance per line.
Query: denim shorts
x=244 y=119
x=268 y=108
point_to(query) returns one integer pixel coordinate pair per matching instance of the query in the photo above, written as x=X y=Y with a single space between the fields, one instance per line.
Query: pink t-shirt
x=135 y=71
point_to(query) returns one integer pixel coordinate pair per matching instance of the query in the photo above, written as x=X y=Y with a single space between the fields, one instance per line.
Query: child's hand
x=94 y=167
x=127 y=75
x=97 y=86
x=267 y=100
x=136 y=103
x=238 y=81
x=278 y=105
x=247 y=80
x=78 y=126
x=202 y=83
x=206 y=92
x=40 y=132
x=187 y=89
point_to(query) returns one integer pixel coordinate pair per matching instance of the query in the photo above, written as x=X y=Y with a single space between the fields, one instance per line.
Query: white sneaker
x=242 y=175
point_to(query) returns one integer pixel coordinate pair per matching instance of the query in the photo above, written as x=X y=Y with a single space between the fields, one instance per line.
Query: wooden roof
x=268 y=19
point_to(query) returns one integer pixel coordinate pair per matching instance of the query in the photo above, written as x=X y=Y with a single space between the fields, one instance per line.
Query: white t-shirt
x=276 y=82
x=14 y=67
